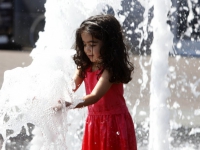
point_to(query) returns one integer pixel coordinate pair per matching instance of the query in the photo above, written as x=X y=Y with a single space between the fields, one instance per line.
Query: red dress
x=109 y=125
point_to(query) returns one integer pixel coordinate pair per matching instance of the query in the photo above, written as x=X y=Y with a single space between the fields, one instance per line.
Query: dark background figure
x=20 y=23
x=134 y=11
x=186 y=30
x=195 y=22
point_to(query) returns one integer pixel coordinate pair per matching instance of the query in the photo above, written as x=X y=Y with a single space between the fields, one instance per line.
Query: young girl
x=102 y=63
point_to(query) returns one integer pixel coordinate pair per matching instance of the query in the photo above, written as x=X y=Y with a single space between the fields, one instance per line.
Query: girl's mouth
x=90 y=56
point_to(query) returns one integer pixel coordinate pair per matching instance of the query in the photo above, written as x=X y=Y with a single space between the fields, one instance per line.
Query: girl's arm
x=77 y=80
x=102 y=86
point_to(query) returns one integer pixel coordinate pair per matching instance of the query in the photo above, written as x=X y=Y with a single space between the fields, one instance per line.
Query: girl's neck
x=96 y=66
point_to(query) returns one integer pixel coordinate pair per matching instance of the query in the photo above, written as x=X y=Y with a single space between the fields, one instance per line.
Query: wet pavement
x=12 y=59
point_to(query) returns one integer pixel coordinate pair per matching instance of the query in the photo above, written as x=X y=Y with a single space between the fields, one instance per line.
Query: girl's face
x=92 y=47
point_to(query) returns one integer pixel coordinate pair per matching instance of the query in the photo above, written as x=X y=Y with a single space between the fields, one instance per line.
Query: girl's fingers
x=58 y=107
x=67 y=104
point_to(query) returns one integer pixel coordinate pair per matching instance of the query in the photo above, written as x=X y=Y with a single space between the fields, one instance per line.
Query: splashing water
x=159 y=113
x=29 y=94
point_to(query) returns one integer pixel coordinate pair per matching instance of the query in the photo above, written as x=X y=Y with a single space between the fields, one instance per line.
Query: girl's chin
x=95 y=61
x=91 y=60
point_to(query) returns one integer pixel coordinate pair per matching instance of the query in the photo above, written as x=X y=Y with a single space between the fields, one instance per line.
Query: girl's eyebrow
x=90 y=42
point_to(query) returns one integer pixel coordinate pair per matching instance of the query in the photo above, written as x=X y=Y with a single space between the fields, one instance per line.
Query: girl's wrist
x=78 y=103
x=67 y=104
x=81 y=104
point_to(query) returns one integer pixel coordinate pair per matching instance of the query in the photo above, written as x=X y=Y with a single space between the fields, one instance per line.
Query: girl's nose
x=88 y=49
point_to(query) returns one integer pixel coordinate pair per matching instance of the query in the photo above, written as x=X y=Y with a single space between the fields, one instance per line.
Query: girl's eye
x=92 y=45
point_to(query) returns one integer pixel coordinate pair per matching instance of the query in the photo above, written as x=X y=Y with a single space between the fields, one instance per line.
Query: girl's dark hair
x=113 y=52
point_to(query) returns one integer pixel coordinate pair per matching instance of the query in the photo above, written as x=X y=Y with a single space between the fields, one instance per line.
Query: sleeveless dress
x=108 y=125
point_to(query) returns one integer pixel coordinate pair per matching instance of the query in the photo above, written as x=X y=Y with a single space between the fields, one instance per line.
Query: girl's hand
x=67 y=104
x=59 y=106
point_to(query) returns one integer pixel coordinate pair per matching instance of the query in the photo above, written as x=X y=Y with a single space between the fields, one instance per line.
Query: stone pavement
x=12 y=59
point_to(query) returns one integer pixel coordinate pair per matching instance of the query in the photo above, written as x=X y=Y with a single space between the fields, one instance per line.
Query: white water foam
x=30 y=94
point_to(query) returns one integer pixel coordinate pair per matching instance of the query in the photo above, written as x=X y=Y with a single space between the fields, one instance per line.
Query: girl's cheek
x=84 y=50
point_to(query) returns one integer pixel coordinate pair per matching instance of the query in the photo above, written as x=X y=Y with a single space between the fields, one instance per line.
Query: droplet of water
x=197 y=112
x=178 y=58
x=179 y=45
x=171 y=68
x=142 y=113
x=176 y=105
x=139 y=81
x=198 y=52
x=172 y=86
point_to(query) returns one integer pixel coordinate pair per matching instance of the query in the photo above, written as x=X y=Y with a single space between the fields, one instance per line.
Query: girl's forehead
x=87 y=37
x=86 y=34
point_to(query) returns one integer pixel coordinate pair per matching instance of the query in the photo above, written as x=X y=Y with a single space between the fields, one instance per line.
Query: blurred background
x=22 y=20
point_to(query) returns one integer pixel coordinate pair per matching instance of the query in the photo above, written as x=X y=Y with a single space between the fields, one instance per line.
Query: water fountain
x=27 y=92
x=159 y=113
